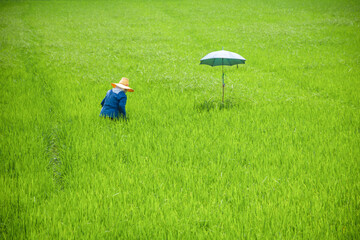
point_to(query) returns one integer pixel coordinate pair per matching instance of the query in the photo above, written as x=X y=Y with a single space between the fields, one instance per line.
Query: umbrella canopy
x=222 y=57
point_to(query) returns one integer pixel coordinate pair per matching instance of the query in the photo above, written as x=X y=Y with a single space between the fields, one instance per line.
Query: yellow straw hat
x=123 y=84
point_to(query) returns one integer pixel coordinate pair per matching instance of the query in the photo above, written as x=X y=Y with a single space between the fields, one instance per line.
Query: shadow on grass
x=211 y=104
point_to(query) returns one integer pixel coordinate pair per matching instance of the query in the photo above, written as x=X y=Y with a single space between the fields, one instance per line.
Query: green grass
x=279 y=160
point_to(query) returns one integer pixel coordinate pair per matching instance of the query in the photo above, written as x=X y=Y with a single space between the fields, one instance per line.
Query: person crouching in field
x=113 y=105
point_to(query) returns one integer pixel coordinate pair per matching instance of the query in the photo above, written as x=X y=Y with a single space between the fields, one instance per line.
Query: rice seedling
x=278 y=160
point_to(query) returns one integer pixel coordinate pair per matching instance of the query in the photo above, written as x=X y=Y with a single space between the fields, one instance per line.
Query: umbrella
x=221 y=58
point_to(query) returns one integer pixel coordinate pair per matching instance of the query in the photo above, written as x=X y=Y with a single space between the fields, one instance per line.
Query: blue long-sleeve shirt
x=113 y=105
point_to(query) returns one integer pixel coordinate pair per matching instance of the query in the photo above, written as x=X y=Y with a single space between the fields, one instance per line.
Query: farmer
x=113 y=105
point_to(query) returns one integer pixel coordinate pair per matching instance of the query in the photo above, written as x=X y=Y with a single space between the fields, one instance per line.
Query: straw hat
x=123 y=84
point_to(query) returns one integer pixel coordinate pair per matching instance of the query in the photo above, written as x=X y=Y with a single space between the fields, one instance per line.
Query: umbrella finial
x=223 y=48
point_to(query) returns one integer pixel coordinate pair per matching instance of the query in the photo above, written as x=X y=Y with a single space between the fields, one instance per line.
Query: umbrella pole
x=223 y=83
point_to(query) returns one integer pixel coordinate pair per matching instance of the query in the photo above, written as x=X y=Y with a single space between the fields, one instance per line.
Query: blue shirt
x=113 y=105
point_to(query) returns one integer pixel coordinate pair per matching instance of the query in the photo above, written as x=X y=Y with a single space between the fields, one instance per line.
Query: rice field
x=279 y=159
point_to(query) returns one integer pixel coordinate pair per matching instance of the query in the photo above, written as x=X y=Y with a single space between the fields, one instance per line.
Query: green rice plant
x=278 y=160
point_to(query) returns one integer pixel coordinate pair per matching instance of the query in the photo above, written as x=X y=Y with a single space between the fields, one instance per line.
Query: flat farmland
x=279 y=159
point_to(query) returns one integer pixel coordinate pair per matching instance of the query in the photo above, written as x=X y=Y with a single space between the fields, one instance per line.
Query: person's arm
x=103 y=101
x=122 y=104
